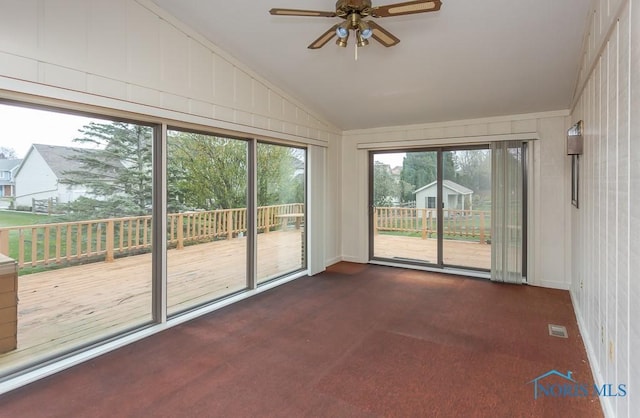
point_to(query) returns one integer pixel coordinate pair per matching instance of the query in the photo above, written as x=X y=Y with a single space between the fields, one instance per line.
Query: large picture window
x=207 y=218
x=116 y=225
x=78 y=225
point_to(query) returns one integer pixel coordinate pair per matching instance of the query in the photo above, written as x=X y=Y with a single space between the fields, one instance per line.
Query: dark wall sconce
x=574 y=149
x=575 y=139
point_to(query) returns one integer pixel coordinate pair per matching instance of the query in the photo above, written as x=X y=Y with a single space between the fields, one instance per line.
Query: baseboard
x=446 y=270
x=605 y=402
x=551 y=285
x=332 y=261
x=352 y=259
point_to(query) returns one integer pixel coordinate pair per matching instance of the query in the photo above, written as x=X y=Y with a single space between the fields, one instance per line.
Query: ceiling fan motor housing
x=346 y=7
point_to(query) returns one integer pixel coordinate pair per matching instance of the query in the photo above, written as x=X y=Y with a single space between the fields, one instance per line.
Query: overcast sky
x=394 y=160
x=20 y=127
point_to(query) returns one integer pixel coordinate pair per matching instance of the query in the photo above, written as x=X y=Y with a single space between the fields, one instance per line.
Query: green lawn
x=35 y=241
x=11 y=218
x=8 y=218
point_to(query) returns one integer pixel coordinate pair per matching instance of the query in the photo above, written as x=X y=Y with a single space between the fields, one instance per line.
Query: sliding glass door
x=207 y=185
x=281 y=178
x=404 y=205
x=466 y=195
x=432 y=207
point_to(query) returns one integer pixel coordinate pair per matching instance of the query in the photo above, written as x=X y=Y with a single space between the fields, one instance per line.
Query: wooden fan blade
x=382 y=35
x=296 y=12
x=324 y=38
x=407 y=8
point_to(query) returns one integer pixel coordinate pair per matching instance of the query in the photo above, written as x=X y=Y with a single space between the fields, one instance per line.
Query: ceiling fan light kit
x=343 y=30
x=354 y=12
x=342 y=42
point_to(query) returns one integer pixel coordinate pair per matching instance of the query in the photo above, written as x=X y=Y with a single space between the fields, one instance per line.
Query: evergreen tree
x=117 y=173
x=418 y=169
x=421 y=168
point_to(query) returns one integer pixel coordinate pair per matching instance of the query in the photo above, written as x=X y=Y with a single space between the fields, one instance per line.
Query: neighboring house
x=454 y=196
x=41 y=171
x=8 y=170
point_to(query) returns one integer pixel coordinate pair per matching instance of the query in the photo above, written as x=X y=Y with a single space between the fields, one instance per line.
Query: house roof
x=8 y=165
x=451 y=185
x=59 y=159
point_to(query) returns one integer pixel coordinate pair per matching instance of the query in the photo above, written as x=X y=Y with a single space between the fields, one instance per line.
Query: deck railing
x=64 y=242
x=465 y=224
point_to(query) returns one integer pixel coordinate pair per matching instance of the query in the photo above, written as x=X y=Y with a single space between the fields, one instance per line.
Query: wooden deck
x=62 y=309
x=458 y=253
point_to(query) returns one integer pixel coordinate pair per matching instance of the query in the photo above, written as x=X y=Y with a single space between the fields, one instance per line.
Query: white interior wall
x=333 y=204
x=134 y=53
x=548 y=194
x=605 y=257
x=315 y=223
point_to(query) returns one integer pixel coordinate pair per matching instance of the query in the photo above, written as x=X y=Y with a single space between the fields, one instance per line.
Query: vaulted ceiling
x=471 y=59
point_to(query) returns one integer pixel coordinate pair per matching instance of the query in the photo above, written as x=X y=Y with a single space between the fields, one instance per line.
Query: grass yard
x=11 y=218
x=68 y=244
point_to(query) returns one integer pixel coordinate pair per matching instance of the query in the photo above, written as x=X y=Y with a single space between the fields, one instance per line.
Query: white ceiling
x=471 y=59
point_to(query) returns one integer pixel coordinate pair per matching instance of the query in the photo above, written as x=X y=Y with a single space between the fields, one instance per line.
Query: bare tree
x=7 y=153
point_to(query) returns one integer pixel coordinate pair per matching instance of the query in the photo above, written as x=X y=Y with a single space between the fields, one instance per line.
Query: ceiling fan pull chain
x=355 y=46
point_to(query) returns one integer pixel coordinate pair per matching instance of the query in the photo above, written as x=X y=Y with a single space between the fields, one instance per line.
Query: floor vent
x=558 y=331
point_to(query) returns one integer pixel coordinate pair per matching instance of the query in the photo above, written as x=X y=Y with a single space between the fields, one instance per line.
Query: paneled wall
x=548 y=182
x=135 y=53
x=131 y=56
x=605 y=255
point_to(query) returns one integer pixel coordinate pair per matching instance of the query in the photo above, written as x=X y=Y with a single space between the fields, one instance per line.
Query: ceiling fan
x=354 y=12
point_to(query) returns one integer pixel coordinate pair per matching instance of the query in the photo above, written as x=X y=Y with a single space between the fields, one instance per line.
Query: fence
x=48 y=206
x=466 y=224
x=35 y=245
